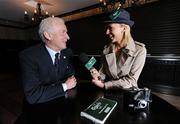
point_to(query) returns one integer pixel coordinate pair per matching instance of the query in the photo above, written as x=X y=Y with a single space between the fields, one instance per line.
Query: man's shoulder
x=33 y=50
x=67 y=52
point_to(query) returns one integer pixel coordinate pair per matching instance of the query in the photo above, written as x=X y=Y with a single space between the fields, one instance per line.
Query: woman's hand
x=98 y=83
x=96 y=80
x=94 y=73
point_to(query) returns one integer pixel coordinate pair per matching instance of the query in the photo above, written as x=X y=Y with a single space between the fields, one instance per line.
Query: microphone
x=89 y=63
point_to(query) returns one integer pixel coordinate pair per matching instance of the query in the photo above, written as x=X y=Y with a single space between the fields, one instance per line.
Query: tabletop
x=66 y=110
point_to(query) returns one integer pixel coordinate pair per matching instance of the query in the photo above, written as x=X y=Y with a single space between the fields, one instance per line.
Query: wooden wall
x=156 y=25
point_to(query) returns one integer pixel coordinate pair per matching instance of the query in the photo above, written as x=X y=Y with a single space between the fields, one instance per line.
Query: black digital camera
x=137 y=98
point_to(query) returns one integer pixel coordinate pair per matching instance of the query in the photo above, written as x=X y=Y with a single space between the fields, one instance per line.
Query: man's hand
x=71 y=82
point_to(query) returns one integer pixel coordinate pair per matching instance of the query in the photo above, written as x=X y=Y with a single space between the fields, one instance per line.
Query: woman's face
x=115 y=32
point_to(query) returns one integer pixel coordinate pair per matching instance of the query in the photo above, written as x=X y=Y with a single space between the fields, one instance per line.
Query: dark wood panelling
x=157 y=25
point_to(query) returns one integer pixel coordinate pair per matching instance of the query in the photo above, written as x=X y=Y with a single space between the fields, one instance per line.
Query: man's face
x=115 y=32
x=59 y=36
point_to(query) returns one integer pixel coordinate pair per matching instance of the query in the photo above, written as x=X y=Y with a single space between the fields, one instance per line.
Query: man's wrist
x=64 y=85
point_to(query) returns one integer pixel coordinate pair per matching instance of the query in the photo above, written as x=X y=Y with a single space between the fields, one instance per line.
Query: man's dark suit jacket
x=41 y=82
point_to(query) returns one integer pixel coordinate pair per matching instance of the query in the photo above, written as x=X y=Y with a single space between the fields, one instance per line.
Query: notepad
x=99 y=110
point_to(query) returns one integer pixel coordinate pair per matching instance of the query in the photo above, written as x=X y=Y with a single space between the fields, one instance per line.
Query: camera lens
x=142 y=104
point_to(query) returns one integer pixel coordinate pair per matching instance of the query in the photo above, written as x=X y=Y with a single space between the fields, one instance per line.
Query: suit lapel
x=47 y=57
x=49 y=63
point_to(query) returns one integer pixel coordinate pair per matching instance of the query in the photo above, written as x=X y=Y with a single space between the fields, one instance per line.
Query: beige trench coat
x=125 y=72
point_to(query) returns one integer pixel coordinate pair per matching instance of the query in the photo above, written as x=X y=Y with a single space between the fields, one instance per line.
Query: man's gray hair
x=47 y=25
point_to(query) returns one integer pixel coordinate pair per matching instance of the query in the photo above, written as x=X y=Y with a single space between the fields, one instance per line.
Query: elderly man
x=47 y=70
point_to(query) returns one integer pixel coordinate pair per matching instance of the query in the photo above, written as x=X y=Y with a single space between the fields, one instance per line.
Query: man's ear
x=47 y=35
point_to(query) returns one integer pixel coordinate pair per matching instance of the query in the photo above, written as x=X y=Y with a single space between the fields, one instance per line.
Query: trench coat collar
x=130 y=48
x=111 y=57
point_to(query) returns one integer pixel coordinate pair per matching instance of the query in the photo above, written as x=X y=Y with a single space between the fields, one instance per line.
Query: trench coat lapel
x=127 y=54
x=111 y=60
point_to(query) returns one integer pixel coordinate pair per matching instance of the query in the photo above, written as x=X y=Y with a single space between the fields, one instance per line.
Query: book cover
x=99 y=110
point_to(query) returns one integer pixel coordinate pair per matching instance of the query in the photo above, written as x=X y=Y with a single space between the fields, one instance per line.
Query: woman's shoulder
x=140 y=47
x=139 y=44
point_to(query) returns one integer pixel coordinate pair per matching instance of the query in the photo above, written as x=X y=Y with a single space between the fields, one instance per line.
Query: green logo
x=90 y=63
x=115 y=14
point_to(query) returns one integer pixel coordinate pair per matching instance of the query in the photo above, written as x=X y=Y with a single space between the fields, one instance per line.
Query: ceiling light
x=108 y=5
x=39 y=12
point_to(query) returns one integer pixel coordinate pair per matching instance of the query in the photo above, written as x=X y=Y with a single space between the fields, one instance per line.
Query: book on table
x=99 y=110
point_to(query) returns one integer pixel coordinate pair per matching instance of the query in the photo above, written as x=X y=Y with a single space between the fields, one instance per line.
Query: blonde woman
x=123 y=59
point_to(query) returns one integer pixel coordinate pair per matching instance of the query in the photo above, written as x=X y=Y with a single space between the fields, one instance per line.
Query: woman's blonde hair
x=127 y=35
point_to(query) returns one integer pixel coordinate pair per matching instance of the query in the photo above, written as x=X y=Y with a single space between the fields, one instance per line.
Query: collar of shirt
x=52 y=53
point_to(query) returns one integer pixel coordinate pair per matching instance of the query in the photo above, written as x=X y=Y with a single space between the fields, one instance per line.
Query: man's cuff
x=64 y=86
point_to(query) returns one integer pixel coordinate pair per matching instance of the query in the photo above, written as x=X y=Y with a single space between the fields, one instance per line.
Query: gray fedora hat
x=120 y=16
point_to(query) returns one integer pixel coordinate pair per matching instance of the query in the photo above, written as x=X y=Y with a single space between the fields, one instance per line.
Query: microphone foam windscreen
x=84 y=57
